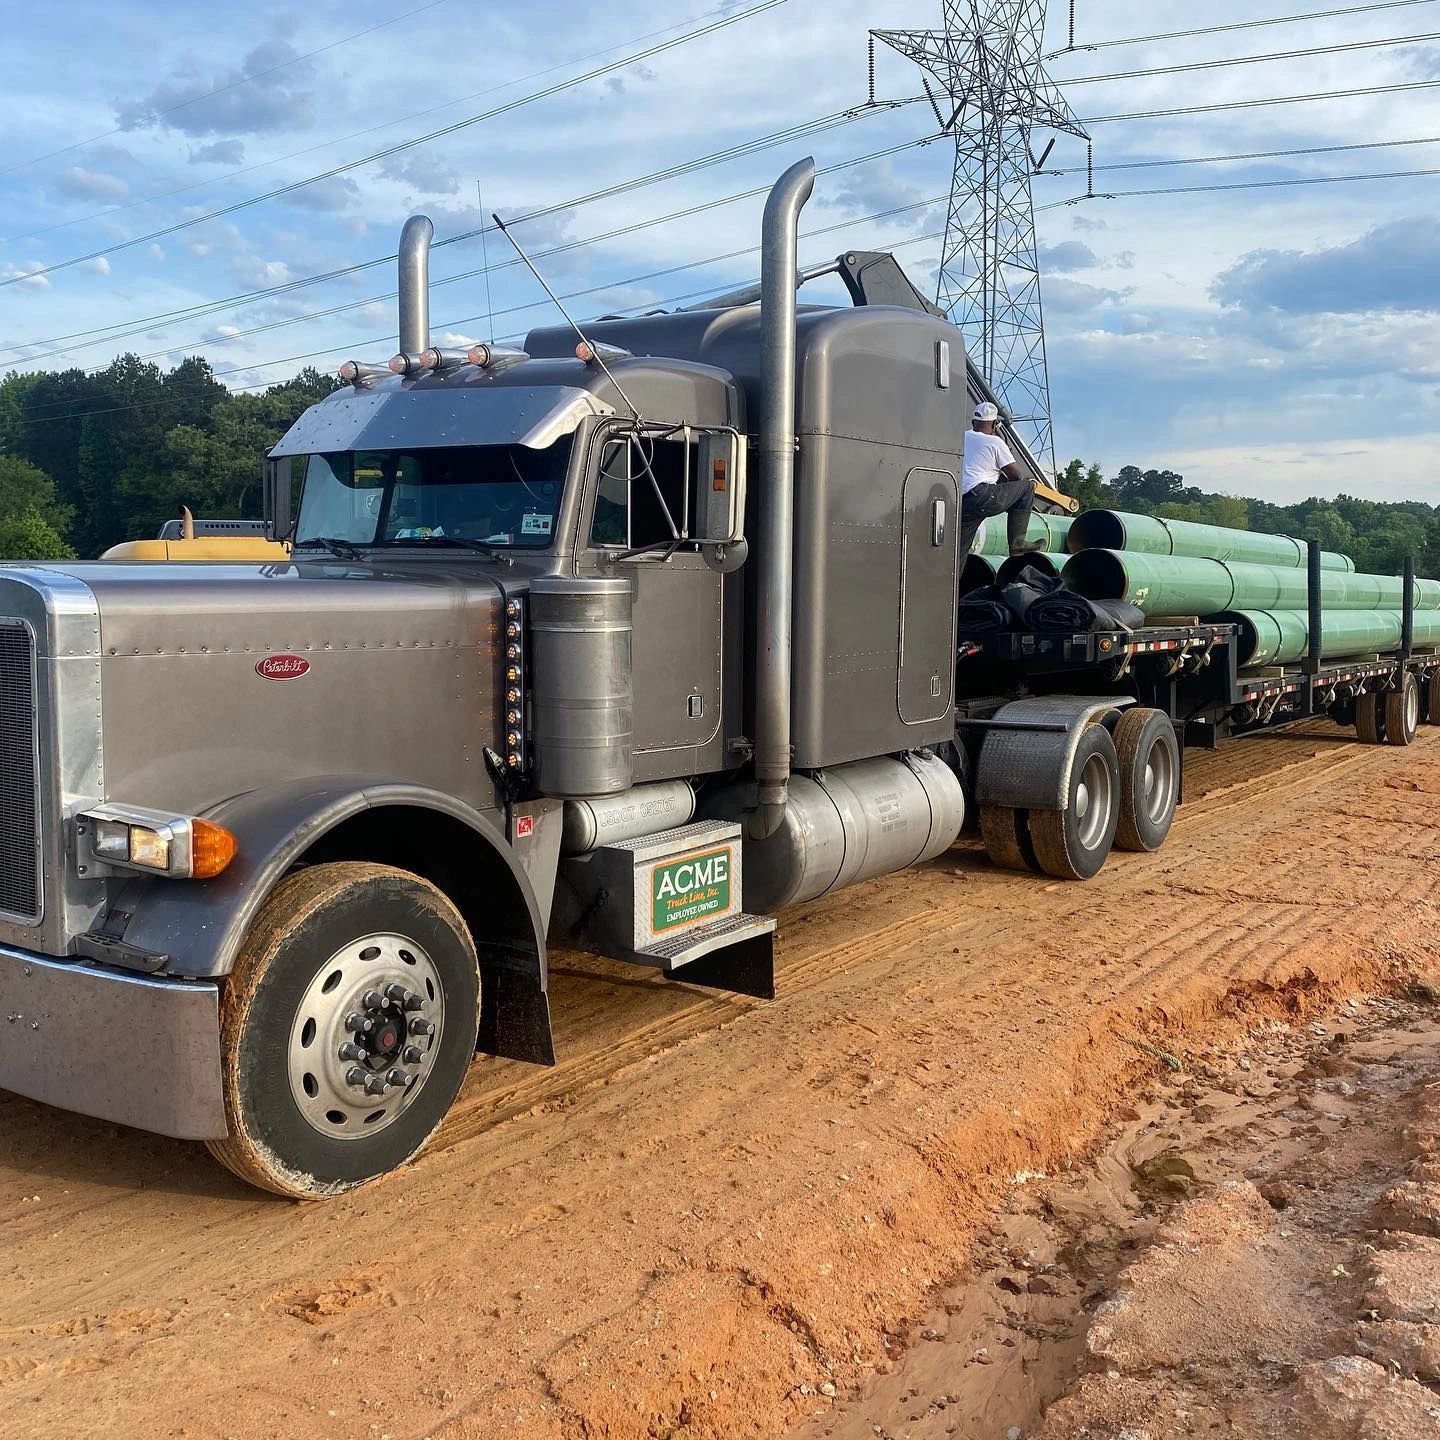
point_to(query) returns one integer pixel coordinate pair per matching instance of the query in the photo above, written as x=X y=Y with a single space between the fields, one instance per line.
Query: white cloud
x=24 y=280
x=100 y=265
x=83 y=184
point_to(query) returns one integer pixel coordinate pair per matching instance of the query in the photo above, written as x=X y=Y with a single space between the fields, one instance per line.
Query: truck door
x=929 y=559
x=678 y=640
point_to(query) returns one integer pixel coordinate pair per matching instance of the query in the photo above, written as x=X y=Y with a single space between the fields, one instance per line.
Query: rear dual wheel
x=346 y=1029
x=1149 y=757
x=1402 y=712
x=1073 y=843
x=1432 y=713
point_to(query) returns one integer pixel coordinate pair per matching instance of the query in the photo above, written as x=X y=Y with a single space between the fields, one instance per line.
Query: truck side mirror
x=720 y=482
x=278 y=497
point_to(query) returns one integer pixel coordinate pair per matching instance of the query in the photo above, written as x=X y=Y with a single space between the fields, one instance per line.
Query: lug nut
x=373 y=1000
x=355 y=1024
x=415 y=1002
x=399 y=1078
x=421 y=1027
x=412 y=1055
x=375 y=1085
x=398 y=993
x=356 y=1075
x=350 y=1051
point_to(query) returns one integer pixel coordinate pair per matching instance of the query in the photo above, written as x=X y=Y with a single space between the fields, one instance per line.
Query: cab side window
x=641 y=494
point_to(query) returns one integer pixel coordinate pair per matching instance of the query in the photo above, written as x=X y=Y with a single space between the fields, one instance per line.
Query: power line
x=153 y=115
x=623 y=230
x=1271 y=100
x=723 y=23
x=118 y=329
x=356 y=345
x=407 y=119
x=1344 y=48
x=1244 y=185
x=1235 y=25
x=1248 y=155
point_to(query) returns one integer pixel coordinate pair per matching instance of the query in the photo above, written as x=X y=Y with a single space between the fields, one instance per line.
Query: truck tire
x=1007 y=841
x=1073 y=843
x=1402 y=712
x=1370 y=718
x=1149 y=757
x=1432 y=715
x=327 y=1008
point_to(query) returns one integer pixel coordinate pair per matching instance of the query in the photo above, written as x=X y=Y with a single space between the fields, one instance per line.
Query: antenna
x=485 y=261
x=570 y=319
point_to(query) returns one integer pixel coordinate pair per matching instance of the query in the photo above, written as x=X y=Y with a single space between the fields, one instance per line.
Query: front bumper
x=122 y=1047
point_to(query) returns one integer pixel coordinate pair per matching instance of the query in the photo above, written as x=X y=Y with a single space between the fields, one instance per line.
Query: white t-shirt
x=985 y=457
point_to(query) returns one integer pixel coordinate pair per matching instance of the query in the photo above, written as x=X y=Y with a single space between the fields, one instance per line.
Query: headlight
x=183 y=847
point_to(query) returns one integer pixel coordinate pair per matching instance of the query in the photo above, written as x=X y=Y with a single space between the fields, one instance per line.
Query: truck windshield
x=501 y=495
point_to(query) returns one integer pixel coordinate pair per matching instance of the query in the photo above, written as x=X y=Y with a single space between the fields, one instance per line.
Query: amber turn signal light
x=212 y=848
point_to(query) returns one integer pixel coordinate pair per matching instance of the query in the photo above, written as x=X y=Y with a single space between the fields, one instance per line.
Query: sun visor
x=422 y=418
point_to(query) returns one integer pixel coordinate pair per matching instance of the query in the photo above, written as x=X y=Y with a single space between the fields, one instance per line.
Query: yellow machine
x=216 y=540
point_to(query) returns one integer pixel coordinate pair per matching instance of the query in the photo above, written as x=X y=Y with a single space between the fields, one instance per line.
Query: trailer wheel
x=1432 y=715
x=1370 y=718
x=1073 y=843
x=1007 y=841
x=1402 y=712
x=1149 y=758
x=346 y=1028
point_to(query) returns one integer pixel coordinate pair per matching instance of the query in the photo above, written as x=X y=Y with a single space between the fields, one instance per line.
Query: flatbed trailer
x=1025 y=701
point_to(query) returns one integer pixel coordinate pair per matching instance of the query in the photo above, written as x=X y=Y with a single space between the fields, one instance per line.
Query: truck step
x=673 y=901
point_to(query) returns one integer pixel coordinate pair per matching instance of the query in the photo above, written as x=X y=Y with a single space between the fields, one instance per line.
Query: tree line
x=1377 y=534
x=88 y=460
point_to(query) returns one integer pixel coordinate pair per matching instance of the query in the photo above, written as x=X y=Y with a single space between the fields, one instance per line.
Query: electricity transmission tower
x=994 y=92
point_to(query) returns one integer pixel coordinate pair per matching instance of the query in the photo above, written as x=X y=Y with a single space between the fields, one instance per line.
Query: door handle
x=937 y=523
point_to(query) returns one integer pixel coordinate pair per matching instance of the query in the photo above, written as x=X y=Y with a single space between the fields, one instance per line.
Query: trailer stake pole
x=1316 y=624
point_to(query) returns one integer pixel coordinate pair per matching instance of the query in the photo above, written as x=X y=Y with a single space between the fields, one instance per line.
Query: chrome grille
x=19 y=792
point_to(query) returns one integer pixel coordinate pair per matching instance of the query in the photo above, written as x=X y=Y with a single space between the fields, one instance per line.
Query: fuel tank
x=847 y=824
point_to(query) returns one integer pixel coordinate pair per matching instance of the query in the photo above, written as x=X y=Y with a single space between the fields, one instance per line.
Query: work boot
x=1027 y=547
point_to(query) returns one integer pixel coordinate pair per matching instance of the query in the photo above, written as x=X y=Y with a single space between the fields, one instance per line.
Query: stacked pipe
x=1256 y=582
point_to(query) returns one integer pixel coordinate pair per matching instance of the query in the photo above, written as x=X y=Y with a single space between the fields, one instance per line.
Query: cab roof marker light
x=403 y=364
x=359 y=374
x=495 y=357
x=436 y=358
x=594 y=353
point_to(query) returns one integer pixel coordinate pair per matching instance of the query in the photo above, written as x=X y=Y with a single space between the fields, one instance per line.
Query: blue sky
x=1280 y=342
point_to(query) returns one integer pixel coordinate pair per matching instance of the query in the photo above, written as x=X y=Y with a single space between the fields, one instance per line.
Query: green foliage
x=32 y=522
x=120 y=451
x=1377 y=534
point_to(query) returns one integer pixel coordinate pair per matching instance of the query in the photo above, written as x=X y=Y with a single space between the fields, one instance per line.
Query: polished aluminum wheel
x=1094 y=802
x=363 y=1035
x=1158 y=800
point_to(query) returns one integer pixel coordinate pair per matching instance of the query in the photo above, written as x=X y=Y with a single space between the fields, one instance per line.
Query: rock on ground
x=1350 y=1398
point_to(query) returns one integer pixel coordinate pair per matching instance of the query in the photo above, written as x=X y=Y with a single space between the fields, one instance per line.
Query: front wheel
x=346 y=1028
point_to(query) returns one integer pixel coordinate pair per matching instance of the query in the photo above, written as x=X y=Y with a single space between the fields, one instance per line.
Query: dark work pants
x=1014 y=499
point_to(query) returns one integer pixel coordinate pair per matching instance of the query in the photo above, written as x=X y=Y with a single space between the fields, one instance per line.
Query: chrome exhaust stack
x=415 y=286
x=775 y=531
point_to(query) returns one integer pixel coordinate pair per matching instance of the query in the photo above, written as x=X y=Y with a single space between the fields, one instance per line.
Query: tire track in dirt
x=746 y=1198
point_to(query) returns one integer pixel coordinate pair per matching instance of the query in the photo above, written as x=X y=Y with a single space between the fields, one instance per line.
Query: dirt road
x=713 y=1212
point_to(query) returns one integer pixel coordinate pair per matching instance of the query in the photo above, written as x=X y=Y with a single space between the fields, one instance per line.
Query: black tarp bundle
x=1034 y=600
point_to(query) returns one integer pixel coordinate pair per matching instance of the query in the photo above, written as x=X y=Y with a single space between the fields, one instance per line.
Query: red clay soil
x=714 y=1212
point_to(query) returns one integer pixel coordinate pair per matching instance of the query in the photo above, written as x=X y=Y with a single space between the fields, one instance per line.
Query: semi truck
x=626 y=640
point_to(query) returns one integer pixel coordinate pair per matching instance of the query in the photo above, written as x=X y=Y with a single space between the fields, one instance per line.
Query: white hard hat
x=986 y=411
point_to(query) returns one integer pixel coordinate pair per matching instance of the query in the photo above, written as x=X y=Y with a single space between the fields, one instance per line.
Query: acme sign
x=283 y=667
x=693 y=888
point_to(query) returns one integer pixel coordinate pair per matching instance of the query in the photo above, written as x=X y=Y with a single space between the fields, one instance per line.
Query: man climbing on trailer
x=993 y=485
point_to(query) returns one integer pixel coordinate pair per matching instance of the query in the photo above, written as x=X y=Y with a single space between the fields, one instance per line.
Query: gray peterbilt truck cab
x=624 y=641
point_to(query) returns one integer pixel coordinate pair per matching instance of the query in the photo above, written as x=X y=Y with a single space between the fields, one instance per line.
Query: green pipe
x=1277 y=637
x=978 y=570
x=1051 y=529
x=1184 y=585
x=1150 y=535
